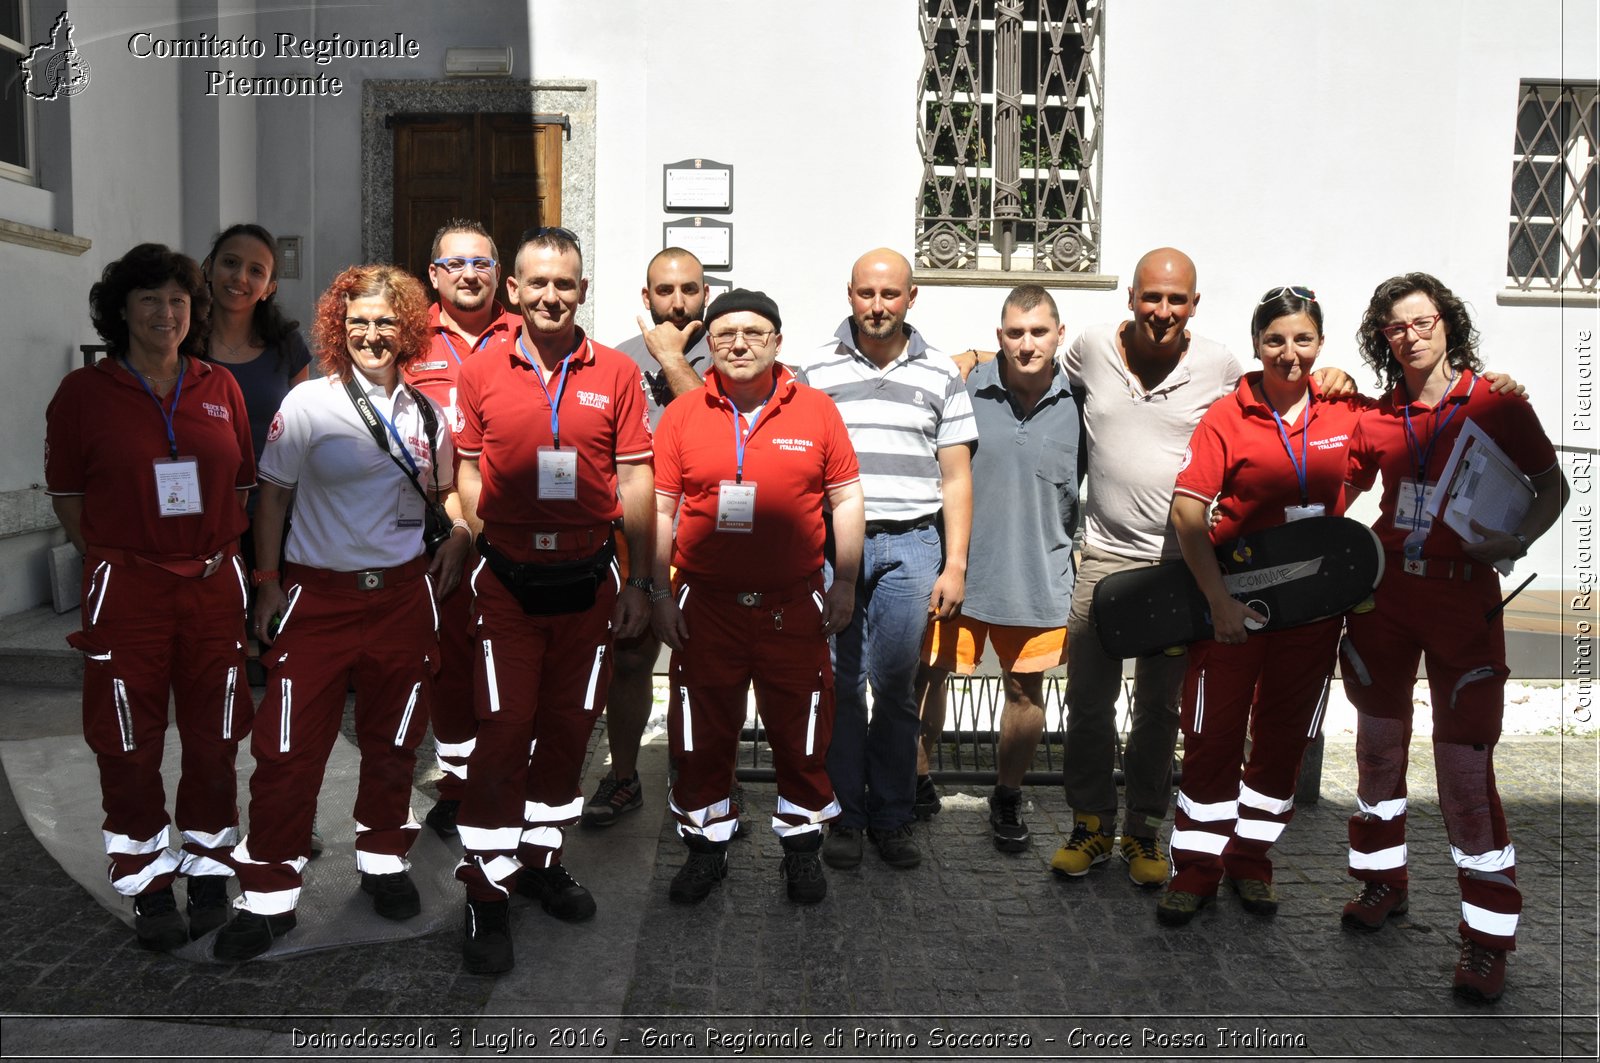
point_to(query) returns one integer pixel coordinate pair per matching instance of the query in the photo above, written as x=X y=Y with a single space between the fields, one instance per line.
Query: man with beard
x=911 y=423
x=464 y=270
x=670 y=357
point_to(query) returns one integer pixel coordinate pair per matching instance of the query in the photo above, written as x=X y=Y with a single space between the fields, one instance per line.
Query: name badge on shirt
x=1294 y=513
x=558 y=474
x=178 y=487
x=1414 y=508
x=736 y=507
x=408 y=510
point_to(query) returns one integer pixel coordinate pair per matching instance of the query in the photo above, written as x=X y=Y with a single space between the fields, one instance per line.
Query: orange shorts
x=957 y=646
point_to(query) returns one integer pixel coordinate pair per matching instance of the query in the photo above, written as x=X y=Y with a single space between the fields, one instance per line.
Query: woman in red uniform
x=1274 y=451
x=1439 y=601
x=148 y=461
x=353 y=604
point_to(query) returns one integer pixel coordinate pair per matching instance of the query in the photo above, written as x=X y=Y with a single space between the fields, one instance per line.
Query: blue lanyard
x=405 y=452
x=742 y=436
x=1420 y=457
x=1300 y=466
x=444 y=334
x=561 y=389
x=177 y=396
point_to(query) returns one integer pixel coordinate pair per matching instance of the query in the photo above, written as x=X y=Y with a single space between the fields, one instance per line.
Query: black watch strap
x=643 y=583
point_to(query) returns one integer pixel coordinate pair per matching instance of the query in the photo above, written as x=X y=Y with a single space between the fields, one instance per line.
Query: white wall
x=1329 y=143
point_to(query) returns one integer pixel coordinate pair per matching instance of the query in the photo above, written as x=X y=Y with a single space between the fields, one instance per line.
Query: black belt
x=898 y=527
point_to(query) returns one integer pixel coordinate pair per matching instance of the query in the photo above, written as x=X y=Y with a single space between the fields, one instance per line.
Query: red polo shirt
x=437 y=373
x=1381 y=445
x=1238 y=457
x=506 y=418
x=796 y=451
x=103 y=434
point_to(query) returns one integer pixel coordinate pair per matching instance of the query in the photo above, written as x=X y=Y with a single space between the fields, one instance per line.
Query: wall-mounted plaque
x=710 y=240
x=716 y=286
x=697 y=186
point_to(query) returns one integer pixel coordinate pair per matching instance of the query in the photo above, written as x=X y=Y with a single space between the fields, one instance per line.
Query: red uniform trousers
x=1271 y=685
x=778 y=645
x=1444 y=620
x=333 y=635
x=150 y=634
x=454 y=718
x=541 y=684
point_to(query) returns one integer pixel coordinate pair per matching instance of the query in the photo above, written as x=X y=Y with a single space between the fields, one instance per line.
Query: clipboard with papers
x=1481 y=483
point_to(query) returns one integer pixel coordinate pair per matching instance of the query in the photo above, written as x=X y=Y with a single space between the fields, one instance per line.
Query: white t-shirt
x=1136 y=437
x=354 y=508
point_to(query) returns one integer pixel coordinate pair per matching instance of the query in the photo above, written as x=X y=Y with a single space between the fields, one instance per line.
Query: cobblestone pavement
x=966 y=956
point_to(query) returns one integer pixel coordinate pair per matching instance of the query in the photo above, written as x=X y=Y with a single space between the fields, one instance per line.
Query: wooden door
x=501 y=169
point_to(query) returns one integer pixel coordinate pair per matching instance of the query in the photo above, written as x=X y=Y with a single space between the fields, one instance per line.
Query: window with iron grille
x=1010 y=104
x=14 y=107
x=1555 y=190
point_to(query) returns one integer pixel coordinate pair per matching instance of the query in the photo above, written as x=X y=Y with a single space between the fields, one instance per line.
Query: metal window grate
x=1554 y=242
x=1010 y=110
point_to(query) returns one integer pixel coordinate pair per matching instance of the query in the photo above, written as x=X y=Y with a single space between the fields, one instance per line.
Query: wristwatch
x=642 y=583
x=1523 y=540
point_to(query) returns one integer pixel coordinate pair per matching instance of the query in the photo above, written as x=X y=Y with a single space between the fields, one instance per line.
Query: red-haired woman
x=147 y=462
x=354 y=601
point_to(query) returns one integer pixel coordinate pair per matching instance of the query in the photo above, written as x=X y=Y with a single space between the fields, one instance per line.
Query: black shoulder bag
x=437 y=524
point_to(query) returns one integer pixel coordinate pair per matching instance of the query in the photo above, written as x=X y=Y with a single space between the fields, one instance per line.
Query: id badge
x=736 y=507
x=178 y=487
x=558 y=474
x=408 y=510
x=1413 y=510
x=1294 y=513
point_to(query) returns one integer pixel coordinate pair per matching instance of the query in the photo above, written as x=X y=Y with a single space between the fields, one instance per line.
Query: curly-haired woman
x=147 y=462
x=1439 y=602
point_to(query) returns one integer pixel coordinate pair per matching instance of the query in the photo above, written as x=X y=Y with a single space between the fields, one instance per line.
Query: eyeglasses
x=550 y=230
x=459 y=265
x=384 y=325
x=1423 y=326
x=724 y=338
x=1291 y=289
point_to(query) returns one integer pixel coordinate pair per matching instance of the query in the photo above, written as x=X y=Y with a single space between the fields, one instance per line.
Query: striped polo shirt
x=899 y=417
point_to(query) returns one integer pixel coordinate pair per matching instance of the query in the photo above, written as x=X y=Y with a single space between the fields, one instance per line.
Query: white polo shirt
x=354 y=508
x=1136 y=437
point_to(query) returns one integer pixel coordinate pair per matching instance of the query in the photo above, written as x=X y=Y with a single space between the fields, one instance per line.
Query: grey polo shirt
x=657 y=392
x=1024 y=504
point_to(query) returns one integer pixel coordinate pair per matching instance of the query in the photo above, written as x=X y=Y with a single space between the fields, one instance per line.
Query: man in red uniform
x=465 y=271
x=554 y=447
x=745 y=465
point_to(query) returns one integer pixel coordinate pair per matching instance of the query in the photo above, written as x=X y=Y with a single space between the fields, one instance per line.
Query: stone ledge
x=17 y=232
x=999 y=278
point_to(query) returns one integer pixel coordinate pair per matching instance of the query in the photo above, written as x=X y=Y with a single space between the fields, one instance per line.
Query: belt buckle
x=370 y=579
x=748 y=598
x=213 y=563
x=546 y=540
x=1416 y=566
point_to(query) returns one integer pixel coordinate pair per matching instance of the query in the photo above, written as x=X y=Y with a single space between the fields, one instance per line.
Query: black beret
x=731 y=302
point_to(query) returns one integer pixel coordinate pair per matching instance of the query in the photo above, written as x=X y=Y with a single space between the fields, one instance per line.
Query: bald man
x=1146 y=383
x=911 y=423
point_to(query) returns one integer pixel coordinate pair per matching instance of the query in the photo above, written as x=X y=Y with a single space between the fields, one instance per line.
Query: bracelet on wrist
x=642 y=583
x=264 y=575
x=459 y=523
x=660 y=595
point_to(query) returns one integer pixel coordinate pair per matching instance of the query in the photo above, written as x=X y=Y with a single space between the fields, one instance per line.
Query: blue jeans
x=873 y=757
